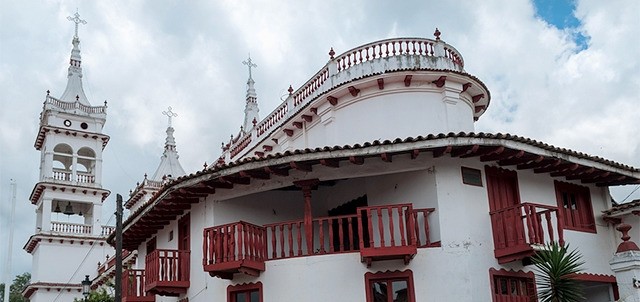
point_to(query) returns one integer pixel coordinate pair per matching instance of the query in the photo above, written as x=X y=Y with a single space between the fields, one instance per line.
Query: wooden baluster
x=530 y=224
x=401 y=223
x=350 y=227
x=273 y=241
x=391 y=228
x=547 y=216
x=205 y=244
x=360 y=231
x=321 y=235
x=340 y=235
x=299 y=238
x=539 y=231
x=426 y=228
x=290 y=240
x=331 y=247
x=416 y=227
x=381 y=227
x=282 y=250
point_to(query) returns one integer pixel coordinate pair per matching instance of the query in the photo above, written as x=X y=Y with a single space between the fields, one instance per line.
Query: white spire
x=251 y=107
x=74 y=91
x=169 y=164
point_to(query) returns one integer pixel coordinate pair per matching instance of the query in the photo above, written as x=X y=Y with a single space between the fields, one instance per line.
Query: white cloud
x=143 y=56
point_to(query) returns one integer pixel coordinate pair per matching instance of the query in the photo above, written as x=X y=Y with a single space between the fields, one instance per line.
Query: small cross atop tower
x=76 y=19
x=169 y=114
x=249 y=64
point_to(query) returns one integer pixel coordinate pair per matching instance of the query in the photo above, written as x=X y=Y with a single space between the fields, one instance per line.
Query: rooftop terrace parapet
x=368 y=60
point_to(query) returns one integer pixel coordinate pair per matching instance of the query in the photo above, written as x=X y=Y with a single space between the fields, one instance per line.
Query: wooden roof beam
x=277 y=171
x=553 y=166
x=301 y=166
x=330 y=162
x=465 y=150
x=255 y=174
x=239 y=180
x=356 y=160
x=438 y=152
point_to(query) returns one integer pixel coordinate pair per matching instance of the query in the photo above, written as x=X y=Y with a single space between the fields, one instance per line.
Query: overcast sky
x=567 y=74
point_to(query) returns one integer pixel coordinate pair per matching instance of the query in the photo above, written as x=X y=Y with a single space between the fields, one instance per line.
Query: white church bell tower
x=69 y=195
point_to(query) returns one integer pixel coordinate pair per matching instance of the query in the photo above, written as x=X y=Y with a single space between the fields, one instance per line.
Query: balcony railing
x=133 y=287
x=391 y=233
x=70 y=228
x=167 y=272
x=233 y=248
x=81 y=177
x=378 y=233
x=518 y=229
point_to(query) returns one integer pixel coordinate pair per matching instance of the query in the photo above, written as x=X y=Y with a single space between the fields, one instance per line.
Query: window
x=575 y=203
x=471 y=176
x=390 y=286
x=251 y=292
x=510 y=286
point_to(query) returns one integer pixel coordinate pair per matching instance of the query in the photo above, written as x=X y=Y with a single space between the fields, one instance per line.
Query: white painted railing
x=382 y=56
x=70 y=228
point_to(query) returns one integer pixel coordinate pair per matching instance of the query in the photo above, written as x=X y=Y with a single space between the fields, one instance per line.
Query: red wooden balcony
x=167 y=272
x=238 y=247
x=519 y=229
x=378 y=233
x=390 y=231
x=133 y=287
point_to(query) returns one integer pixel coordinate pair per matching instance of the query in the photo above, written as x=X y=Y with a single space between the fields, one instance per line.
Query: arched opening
x=62 y=162
x=86 y=165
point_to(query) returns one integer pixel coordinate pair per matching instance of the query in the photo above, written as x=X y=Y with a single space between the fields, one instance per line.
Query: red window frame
x=519 y=286
x=575 y=203
x=233 y=290
x=406 y=275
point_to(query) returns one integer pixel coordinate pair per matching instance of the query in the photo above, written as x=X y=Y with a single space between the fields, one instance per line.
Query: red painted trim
x=334 y=101
x=407 y=275
x=407 y=80
x=232 y=289
x=440 y=81
x=465 y=87
x=354 y=91
x=529 y=276
x=380 y=84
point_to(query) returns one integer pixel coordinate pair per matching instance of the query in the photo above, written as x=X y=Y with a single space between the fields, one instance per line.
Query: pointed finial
x=205 y=165
x=76 y=19
x=169 y=114
x=249 y=64
x=254 y=122
x=48 y=92
x=437 y=34
x=290 y=90
x=626 y=244
x=145 y=175
x=105 y=103
x=77 y=98
x=331 y=53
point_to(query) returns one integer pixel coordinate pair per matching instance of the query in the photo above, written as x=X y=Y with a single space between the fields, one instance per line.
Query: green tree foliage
x=16 y=288
x=100 y=295
x=556 y=266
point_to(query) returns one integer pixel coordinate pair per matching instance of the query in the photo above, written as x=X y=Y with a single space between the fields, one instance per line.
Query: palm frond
x=556 y=267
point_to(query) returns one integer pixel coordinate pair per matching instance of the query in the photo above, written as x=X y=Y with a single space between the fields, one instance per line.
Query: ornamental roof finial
x=249 y=64
x=331 y=53
x=169 y=114
x=76 y=19
x=437 y=34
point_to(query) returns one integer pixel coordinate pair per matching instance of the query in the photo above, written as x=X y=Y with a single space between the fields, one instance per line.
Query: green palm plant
x=556 y=266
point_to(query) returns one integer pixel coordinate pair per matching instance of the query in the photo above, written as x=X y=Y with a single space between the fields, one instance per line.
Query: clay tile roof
x=623 y=207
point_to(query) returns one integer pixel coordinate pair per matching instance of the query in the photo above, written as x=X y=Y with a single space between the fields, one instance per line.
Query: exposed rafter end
x=307 y=118
x=277 y=171
x=465 y=87
x=353 y=90
x=300 y=166
x=297 y=125
x=440 y=81
x=438 y=152
x=356 y=160
x=333 y=163
x=333 y=100
x=407 y=80
x=386 y=157
x=289 y=132
x=380 y=84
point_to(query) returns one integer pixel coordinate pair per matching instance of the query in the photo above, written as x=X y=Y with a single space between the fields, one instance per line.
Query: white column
x=46 y=215
x=74 y=172
x=626 y=265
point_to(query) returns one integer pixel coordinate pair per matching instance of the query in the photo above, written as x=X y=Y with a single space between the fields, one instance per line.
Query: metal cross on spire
x=76 y=19
x=249 y=64
x=169 y=114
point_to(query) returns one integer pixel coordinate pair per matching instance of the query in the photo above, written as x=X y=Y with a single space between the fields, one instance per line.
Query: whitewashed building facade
x=368 y=183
